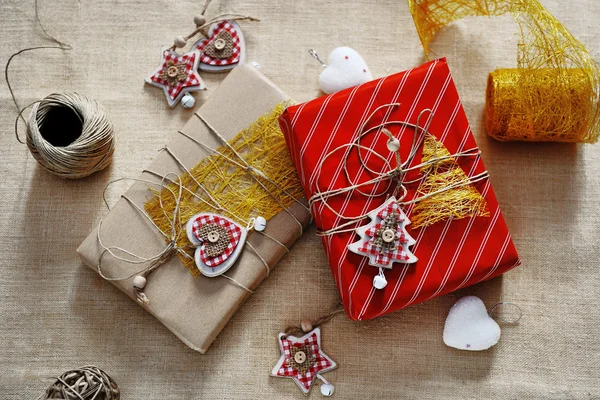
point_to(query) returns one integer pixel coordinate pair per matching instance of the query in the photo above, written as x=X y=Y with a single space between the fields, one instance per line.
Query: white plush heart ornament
x=469 y=326
x=346 y=68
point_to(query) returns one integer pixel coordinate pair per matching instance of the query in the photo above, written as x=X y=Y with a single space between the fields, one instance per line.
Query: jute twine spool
x=70 y=135
x=541 y=105
x=85 y=383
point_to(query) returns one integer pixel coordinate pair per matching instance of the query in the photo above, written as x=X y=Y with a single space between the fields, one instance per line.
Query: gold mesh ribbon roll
x=553 y=93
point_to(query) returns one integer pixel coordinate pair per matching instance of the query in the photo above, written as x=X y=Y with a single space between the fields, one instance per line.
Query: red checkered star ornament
x=303 y=360
x=177 y=75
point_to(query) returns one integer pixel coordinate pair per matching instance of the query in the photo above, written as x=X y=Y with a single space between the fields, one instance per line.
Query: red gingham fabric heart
x=235 y=57
x=233 y=230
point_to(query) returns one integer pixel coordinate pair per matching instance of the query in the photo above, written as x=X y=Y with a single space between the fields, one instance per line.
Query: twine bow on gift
x=154 y=261
x=395 y=174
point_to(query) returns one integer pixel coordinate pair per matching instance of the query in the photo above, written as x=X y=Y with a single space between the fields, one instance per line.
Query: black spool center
x=61 y=126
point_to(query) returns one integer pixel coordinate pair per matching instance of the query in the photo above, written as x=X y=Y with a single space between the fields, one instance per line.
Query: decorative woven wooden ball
x=85 y=383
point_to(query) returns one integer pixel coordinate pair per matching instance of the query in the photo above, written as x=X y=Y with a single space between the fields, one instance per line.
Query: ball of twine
x=70 y=135
x=85 y=383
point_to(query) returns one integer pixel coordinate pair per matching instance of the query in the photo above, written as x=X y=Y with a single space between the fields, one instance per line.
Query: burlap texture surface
x=56 y=314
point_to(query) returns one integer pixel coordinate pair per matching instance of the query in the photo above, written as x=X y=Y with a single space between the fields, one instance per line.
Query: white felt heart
x=346 y=68
x=469 y=326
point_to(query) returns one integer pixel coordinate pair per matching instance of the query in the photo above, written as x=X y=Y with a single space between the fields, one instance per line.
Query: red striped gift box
x=451 y=254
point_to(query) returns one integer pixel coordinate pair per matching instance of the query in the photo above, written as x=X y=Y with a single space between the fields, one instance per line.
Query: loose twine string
x=91 y=151
x=201 y=28
x=307 y=325
x=514 y=320
x=391 y=175
x=175 y=222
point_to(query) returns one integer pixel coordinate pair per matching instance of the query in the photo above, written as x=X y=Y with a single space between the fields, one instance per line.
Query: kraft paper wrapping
x=196 y=309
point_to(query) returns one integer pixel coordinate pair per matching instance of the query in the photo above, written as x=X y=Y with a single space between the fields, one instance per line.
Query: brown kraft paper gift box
x=196 y=309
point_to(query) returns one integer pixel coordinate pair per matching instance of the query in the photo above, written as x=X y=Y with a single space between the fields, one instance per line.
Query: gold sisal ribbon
x=553 y=93
x=223 y=177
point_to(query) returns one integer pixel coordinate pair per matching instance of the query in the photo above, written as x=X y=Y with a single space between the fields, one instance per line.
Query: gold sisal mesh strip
x=553 y=93
x=263 y=147
x=461 y=202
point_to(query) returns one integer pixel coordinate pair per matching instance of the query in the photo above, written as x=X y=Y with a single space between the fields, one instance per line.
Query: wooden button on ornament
x=213 y=237
x=173 y=71
x=300 y=357
x=388 y=235
x=220 y=44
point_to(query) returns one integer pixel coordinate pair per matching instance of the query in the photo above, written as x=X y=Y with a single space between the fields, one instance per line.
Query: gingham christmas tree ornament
x=223 y=49
x=303 y=360
x=219 y=242
x=177 y=75
x=384 y=240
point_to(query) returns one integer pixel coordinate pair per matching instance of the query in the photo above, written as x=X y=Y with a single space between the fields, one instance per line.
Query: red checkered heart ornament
x=219 y=242
x=224 y=48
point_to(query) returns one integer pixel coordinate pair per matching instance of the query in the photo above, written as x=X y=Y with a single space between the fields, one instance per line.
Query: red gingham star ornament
x=219 y=242
x=385 y=240
x=303 y=360
x=177 y=75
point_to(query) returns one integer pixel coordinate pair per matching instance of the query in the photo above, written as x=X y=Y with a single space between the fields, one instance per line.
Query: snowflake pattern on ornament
x=385 y=239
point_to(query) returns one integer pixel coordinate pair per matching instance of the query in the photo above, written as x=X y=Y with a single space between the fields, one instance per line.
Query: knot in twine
x=70 y=135
x=85 y=383
x=394 y=176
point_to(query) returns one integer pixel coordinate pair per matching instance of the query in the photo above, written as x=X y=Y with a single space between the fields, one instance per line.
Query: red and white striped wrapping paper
x=451 y=254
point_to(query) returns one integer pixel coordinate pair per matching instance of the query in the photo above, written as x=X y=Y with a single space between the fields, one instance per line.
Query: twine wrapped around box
x=243 y=189
x=553 y=93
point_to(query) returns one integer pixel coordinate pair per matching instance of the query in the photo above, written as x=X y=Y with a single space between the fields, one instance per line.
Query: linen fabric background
x=56 y=314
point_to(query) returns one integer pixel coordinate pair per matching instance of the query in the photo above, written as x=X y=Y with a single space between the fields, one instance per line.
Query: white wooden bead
x=327 y=389
x=139 y=282
x=306 y=326
x=199 y=20
x=188 y=101
x=393 y=144
x=260 y=223
x=379 y=282
x=180 y=41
